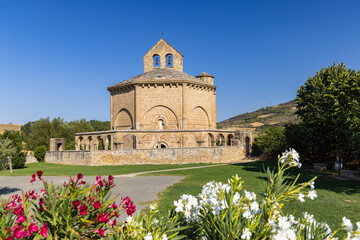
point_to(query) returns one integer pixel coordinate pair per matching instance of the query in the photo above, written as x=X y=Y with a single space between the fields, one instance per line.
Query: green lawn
x=336 y=198
x=51 y=169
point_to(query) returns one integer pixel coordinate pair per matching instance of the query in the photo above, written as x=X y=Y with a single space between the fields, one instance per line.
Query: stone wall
x=230 y=154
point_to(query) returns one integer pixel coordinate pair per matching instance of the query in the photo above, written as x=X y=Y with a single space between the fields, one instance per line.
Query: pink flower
x=113 y=222
x=19 y=234
x=44 y=230
x=83 y=209
x=97 y=204
x=39 y=173
x=100 y=231
x=79 y=176
x=104 y=218
x=33 y=228
x=76 y=203
x=20 y=219
x=111 y=178
x=43 y=191
x=99 y=182
x=33 y=178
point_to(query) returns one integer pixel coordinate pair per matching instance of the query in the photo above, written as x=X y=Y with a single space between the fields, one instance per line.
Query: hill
x=9 y=127
x=277 y=115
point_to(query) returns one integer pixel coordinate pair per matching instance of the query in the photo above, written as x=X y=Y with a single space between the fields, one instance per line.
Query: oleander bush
x=76 y=210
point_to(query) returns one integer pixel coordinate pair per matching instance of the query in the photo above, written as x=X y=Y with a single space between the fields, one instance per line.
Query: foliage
x=6 y=150
x=226 y=211
x=39 y=153
x=74 y=210
x=270 y=143
x=39 y=132
x=329 y=106
x=18 y=158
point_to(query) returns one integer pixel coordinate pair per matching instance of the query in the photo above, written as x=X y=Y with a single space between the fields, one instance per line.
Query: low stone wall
x=30 y=159
x=148 y=156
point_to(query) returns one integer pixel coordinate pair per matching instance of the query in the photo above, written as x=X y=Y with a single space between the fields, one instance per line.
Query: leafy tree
x=6 y=150
x=18 y=157
x=271 y=143
x=40 y=152
x=329 y=107
x=99 y=125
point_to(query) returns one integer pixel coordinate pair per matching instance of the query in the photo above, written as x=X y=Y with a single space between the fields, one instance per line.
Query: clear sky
x=58 y=57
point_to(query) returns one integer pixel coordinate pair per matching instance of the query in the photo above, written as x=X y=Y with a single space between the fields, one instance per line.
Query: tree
x=271 y=143
x=329 y=106
x=6 y=150
x=18 y=157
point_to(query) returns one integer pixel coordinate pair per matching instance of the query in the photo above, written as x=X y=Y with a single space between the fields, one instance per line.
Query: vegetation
x=39 y=132
x=329 y=107
x=271 y=143
x=11 y=146
x=76 y=210
x=39 y=153
x=342 y=197
x=51 y=169
x=278 y=115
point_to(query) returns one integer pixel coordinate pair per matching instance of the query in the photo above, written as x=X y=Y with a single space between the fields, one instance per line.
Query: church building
x=164 y=107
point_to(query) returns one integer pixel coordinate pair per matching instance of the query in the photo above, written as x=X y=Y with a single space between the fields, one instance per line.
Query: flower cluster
x=291 y=157
x=17 y=222
x=73 y=209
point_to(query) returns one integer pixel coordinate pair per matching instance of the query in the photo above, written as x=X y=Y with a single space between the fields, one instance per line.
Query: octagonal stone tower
x=163 y=97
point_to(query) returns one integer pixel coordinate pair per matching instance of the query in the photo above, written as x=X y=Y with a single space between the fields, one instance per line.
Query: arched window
x=169 y=60
x=156 y=60
x=160 y=124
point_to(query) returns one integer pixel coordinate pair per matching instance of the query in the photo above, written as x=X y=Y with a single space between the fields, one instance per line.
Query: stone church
x=163 y=107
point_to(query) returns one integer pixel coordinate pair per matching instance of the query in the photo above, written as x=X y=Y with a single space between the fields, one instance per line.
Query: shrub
x=39 y=153
x=270 y=143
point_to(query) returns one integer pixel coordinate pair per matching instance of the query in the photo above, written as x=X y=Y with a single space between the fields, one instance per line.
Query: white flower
x=312 y=194
x=312 y=185
x=250 y=195
x=358 y=226
x=347 y=224
x=283 y=222
x=153 y=207
x=129 y=219
x=236 y=197
x=246 y=234
x=254 y=206
x=301 y=197
x=247 y=213
x=294 y=154
x=164 y=237
x=148 y=237
x=179 y=206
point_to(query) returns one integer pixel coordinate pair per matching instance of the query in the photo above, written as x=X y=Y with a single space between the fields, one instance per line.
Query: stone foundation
x=228 y=154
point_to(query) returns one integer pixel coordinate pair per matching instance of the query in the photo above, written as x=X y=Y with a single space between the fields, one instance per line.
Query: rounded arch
x=161 y=144
x=161 y=112
x=230 y=140
x=169 y=60
x=156 y=60
x=199 y=118
x=210 y=140
x=220 y=140
x=123 y=120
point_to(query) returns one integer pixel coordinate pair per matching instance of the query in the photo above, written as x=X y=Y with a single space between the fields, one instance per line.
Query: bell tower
x=163 y=55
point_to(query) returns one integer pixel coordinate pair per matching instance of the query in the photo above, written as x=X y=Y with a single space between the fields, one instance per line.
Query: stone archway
x=220 y=140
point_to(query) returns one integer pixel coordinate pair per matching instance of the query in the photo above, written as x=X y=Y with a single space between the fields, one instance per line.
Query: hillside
x=277 y=115
x=4 y=127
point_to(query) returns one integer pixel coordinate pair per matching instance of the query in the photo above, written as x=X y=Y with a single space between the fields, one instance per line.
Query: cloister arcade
x=146 y=139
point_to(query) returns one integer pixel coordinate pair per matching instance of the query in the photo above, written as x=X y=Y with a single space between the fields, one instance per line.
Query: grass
x=336 y=198
x=50 y=169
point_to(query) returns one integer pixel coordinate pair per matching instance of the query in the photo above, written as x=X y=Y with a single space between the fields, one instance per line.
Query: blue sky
x=58 y=57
